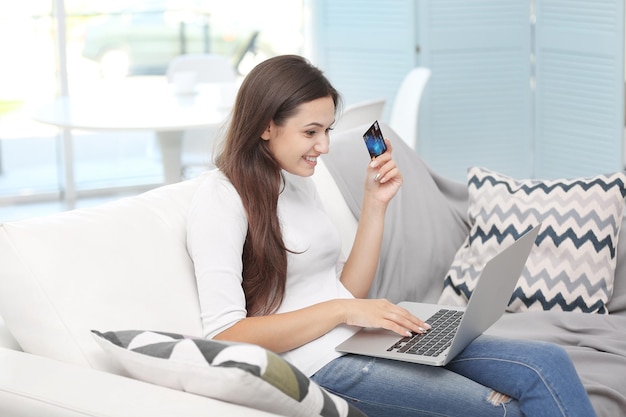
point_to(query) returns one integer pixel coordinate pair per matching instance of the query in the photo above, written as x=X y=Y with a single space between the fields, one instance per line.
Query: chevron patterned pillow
x=238 y=373
x=572 y=265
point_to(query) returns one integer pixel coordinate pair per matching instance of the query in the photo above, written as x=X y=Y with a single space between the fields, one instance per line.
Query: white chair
x=360 y=113
x=209 y=68
x=198 y=144
x=405 y=108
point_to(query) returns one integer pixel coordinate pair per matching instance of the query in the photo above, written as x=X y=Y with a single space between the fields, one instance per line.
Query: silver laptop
x=452 y=328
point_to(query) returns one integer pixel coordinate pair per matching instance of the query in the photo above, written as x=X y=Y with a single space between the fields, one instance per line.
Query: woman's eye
x=310 y=132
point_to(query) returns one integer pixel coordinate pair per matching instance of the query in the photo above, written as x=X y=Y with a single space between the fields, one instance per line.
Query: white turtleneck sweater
x=216 y=231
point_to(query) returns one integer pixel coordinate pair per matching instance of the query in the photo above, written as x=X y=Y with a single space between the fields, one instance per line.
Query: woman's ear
x=267 y=133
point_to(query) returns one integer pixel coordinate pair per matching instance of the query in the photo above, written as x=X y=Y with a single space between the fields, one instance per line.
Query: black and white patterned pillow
x=572 y=265
x=239 y=373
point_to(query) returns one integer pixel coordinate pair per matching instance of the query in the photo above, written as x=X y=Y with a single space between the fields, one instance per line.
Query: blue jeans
x=538 y=377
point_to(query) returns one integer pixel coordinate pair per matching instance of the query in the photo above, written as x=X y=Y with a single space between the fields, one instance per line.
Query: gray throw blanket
x=425 y=225
x=425 y=222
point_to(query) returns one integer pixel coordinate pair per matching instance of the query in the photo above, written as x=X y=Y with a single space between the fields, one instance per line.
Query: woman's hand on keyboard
x=384 y=314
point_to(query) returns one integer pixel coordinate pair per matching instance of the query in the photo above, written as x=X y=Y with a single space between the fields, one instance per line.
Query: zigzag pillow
x=239 y=373
x=572 y=265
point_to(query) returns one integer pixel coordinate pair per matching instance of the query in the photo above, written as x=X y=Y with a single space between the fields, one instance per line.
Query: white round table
x=156 y=108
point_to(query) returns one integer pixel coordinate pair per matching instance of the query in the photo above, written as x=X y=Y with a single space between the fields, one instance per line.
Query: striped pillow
x=239 y=373
x=572 y=265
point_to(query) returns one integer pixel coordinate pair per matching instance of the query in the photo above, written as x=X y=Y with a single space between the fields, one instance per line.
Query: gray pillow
x=425 y=224
x=617 y=303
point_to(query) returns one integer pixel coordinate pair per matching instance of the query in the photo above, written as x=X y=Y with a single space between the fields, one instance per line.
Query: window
x=109 y=45
x=531 y=89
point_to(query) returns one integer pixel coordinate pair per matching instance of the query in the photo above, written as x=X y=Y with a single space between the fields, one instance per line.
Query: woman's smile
x=311 y=160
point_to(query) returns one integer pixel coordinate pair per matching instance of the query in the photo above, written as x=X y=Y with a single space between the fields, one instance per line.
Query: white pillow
x=234 y=372
x=121 y=265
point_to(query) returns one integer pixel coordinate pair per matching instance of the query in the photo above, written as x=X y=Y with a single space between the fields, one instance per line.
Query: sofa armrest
x=33 y=385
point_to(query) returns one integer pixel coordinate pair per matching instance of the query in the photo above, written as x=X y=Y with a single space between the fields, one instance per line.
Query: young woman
x=269 y=271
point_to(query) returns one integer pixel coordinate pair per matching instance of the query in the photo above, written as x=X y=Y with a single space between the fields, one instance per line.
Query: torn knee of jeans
x=496 y=398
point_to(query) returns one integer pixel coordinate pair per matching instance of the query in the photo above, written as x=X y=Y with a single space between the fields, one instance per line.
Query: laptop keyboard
x=443 y=328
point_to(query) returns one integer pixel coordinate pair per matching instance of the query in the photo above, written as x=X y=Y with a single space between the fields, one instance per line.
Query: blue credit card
x=374 y=140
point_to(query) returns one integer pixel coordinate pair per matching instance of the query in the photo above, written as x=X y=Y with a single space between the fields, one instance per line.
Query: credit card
x=374 y=140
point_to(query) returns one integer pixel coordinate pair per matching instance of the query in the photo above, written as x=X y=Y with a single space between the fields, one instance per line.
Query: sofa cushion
x=335 y=205
x=120 y=265
x=6 y=338
x=424 y=224
x=617 y=303
x=572 y=266
x=235 y=372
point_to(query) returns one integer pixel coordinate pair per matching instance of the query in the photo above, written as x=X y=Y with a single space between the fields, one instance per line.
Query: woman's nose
x=322 y=144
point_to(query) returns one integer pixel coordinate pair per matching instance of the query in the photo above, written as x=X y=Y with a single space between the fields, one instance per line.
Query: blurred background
x=105 y=44
x=533 y=89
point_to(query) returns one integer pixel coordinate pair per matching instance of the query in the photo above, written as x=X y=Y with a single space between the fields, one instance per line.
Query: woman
x=269 y=271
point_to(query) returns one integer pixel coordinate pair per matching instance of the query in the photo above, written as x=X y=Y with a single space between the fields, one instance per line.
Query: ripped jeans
x=538 y=377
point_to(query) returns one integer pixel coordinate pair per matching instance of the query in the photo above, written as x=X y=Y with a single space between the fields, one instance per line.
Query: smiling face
x=303 y=137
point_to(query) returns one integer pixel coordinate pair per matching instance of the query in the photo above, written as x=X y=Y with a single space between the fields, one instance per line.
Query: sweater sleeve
x=216 y=232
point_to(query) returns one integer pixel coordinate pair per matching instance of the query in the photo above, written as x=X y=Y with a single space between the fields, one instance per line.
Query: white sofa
x=121 y=265
x=124 y=265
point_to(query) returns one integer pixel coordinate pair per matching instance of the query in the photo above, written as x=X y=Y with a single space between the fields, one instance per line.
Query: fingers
x=401 y=321
x=385 y=165
x=384 y=314
x=408 y=324
x=384 y=157
x=385 y=174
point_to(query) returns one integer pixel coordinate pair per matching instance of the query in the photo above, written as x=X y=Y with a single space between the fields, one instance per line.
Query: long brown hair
x=272 y=91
